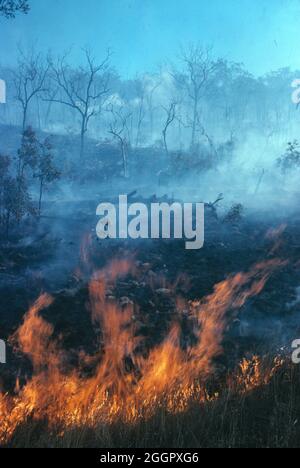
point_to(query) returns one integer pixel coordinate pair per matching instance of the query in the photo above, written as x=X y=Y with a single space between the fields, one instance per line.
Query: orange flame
x=168 y=376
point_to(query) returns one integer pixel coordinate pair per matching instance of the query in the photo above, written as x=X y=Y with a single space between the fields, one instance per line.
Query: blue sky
x=264 y=34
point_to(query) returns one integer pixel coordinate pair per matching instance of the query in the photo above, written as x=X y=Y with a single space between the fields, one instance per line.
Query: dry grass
x=267 y=417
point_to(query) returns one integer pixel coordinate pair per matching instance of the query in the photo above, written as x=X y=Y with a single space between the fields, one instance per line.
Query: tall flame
x=126 y=385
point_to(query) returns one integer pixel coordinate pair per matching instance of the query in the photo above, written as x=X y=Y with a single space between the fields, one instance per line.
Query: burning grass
x=267 y=416
x=132 y=392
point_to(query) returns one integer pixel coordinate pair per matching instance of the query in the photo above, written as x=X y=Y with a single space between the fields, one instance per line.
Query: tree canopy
x=9 y=8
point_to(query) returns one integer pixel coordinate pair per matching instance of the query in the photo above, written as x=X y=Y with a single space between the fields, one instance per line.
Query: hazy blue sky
x=264 y=34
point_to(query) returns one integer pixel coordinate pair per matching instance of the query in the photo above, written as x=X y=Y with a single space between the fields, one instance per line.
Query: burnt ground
x=44 y=261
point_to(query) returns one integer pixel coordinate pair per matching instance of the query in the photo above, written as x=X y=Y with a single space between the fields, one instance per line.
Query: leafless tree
x=29 y=80
x=170 y=117
x=198 y=67
x=146 y=86
x=150 y=101
x=141 y=108
x=119 y=130
x=83 y=89
x=200 y=130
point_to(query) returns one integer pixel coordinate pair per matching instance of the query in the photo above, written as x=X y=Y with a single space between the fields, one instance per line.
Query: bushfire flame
x=168 y=376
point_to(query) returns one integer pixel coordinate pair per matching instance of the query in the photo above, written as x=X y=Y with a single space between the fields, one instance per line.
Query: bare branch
x=29 y=79
x=198 y=68
x=82 y=89
x=170 y=117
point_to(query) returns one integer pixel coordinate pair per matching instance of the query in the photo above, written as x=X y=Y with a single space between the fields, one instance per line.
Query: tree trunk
x=124 y=157
x=139 y=126
x=195 y=113
x=82 y=140
x=165 y=142
x=24 y=118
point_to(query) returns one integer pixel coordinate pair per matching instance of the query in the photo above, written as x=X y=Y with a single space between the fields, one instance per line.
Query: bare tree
x=201 y=129
x=170 y=117
x=141 y=111
x=82 y=90
x=9 y=8
x=29 y=80
x=153 y=87
x=28 y=153
x=146 y=87
x=119 y=130
x=198 y=67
